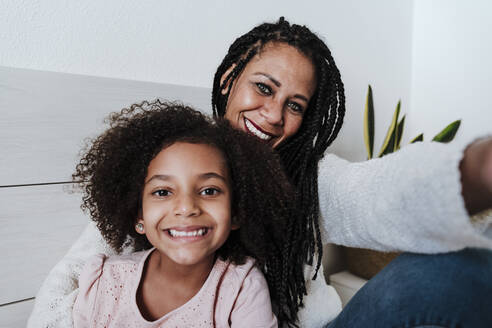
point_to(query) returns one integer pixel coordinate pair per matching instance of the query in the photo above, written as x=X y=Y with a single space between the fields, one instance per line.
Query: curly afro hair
x=113 y=169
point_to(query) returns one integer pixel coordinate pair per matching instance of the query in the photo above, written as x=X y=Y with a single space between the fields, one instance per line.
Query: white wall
x=452 y=69
x=182 y=42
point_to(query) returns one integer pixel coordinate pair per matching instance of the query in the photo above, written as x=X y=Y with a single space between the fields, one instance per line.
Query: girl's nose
x=186 y=206
x=273 y=112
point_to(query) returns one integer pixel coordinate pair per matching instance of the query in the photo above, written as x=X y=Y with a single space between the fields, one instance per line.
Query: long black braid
x=321 y=123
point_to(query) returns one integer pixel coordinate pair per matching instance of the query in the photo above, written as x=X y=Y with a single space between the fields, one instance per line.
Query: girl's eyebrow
x=204 y=176
x=210 y=175
x=162 y=177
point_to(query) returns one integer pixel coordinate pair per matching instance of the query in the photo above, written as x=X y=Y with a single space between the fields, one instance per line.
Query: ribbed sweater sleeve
x=407 y=201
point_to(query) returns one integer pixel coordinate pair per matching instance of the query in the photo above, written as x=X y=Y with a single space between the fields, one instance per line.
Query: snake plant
x=392 y=140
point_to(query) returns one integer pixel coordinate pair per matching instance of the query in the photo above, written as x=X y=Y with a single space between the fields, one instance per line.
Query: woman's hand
x=476 y=176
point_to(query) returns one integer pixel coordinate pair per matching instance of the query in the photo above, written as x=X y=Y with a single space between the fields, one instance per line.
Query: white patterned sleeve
x=406 y=201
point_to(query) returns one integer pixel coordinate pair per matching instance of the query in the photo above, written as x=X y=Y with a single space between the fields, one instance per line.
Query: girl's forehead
x=187 y=158
x=180 y=149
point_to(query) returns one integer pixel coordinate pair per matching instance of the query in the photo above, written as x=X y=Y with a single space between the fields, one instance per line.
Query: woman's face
x=270 y=96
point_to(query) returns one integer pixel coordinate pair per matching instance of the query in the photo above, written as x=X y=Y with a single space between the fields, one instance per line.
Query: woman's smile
x=257 y=131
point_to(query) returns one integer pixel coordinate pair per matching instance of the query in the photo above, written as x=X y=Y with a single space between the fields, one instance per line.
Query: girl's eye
x=161 y=193
x=209 y=192
x=296 y=107
x=264 y=89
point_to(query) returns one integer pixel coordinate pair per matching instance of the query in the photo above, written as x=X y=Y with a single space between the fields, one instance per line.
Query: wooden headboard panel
x=44 y=119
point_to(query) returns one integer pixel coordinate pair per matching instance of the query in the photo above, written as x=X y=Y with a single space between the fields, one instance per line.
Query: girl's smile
x=186 y=210
x=188 y=234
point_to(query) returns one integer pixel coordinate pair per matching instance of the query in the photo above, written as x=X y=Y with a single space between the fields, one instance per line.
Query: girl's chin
x=185 y=258
x=191 y=260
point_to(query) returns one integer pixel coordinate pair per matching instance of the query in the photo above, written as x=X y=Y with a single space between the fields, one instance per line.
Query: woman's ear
x=223 y=77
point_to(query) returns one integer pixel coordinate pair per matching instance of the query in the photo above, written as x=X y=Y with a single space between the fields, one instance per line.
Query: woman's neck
x=167 y=285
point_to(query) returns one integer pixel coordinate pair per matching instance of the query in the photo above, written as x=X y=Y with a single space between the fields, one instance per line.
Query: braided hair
x=321 y=123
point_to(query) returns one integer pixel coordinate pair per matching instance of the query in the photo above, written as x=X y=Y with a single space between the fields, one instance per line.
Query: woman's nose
x=273 y=112
x=186 y=206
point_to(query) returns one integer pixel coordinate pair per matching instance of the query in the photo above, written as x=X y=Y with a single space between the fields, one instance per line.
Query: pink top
x=232 y=296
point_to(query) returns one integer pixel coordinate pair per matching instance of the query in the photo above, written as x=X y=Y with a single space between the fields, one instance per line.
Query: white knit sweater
x=407 y=201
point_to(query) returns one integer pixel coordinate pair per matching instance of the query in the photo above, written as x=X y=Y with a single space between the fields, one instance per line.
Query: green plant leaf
x=369 y=123
x=390 y=139
x=448 y=133
x=400 y=132
x=418 y=138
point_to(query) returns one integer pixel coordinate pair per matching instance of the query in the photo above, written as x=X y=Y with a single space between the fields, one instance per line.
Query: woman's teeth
x=251 y=128
x=177 y=233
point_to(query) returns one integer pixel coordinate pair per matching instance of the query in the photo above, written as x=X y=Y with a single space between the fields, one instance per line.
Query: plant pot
x=366 y=263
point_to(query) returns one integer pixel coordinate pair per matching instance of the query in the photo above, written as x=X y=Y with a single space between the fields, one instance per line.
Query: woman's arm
x=410 y=200
x=55 y=299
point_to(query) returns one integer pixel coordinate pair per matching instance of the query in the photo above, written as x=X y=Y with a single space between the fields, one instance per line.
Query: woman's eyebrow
x=278 y=84
x=301 y=97
x=271 y=78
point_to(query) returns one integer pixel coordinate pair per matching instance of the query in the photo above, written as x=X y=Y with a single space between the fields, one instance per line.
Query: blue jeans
x=414 y=290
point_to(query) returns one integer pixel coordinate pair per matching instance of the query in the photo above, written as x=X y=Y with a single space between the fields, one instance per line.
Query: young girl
x=205 y=216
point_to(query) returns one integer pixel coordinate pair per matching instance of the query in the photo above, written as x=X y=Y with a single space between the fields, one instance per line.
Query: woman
x=279 y=82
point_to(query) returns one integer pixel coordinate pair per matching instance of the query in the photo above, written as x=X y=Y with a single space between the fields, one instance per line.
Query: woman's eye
x=209 y=192
x=161 y=193
x=296 y=107
x=264 y=89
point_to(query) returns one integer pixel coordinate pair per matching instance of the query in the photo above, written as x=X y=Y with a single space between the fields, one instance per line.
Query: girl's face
x=186 y=203
x=270 y=96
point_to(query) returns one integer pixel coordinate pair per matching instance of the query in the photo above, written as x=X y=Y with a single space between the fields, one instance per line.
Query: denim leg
x=414 y=290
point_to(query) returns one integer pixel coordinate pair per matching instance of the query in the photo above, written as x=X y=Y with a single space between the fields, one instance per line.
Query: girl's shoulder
x=243 y=296
x=241 y=268
x=235 y=275
x=134 y=258
x=106 y=280
x=115 y=266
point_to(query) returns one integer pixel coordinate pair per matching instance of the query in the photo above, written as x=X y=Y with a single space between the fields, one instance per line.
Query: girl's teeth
x=176 y=233
x=255 y=131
